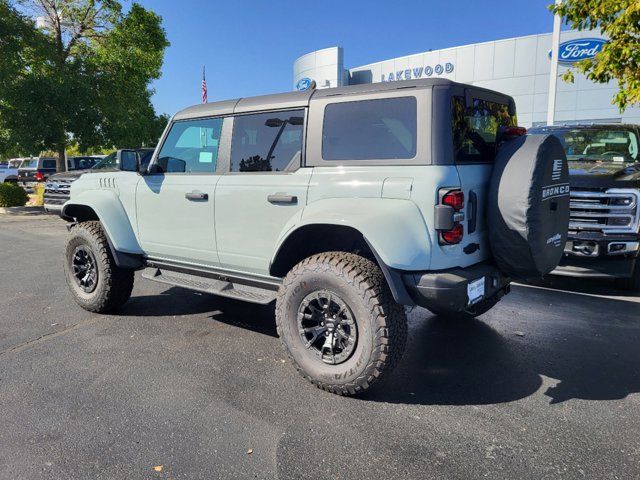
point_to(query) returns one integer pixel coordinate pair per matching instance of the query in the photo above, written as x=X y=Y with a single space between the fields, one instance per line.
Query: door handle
x=282 y=198
x=196 y=196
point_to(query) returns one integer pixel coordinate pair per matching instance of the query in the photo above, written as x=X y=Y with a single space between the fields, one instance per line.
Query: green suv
x=342 y=206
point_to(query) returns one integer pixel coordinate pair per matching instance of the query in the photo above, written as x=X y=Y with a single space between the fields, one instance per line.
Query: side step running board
x=224 y=288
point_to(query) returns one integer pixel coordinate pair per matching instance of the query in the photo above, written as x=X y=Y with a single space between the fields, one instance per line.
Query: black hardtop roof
x=301 y=99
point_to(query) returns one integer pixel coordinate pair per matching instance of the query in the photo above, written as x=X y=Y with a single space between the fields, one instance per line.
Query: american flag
x=204 y=87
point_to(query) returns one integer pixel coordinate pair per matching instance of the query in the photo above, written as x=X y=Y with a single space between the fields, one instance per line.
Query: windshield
x=30 y=163
x=108 y=162
x=597 y=144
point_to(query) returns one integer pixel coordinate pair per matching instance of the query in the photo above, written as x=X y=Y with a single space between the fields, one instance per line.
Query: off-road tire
x=381 y=322
x=631 y=283
x=480 y=308
x=114 y=284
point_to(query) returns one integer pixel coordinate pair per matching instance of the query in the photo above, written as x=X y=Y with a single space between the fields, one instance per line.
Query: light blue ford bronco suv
x=341 y=205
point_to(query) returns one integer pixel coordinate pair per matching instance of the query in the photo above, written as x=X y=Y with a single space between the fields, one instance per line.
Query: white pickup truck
x=9 y=170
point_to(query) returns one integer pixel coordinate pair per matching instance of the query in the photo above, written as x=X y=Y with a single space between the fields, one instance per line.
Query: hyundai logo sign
x=303 y=84
x=580 y=49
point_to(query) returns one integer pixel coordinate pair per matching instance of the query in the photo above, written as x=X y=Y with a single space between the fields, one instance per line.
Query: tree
x=619 y=59
x=84 y=78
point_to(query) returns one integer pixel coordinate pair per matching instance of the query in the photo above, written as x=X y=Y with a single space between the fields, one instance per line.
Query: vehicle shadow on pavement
x=451 y=362
x=179 y=301
x=603 y=287
x=174 y=301
x=591 y=357
x=587 y=347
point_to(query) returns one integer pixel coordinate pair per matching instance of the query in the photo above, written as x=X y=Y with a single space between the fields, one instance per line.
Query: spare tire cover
x=528 y=206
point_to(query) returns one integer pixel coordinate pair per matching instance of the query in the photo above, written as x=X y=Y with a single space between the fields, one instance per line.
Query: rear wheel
x=96 y=282
x=339 y=323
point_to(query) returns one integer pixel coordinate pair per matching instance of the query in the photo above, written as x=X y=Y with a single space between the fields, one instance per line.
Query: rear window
x=475 y=129
x=382 y=129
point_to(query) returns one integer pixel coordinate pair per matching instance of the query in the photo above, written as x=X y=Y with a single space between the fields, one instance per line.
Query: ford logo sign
x=303 y=84
x=579 y=49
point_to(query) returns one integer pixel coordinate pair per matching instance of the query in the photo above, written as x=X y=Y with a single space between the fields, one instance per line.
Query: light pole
x=553 y=71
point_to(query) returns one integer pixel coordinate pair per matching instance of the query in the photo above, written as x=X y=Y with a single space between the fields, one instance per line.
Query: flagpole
x=553 y=71
x=205 y=97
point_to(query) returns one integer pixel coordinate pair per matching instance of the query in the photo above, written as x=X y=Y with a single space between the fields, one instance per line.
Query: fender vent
x=107 y=182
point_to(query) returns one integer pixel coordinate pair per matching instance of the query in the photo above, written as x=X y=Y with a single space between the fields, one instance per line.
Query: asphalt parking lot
x=543 y=386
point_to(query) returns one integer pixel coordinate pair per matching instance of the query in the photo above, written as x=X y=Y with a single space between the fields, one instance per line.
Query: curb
x=27 y=210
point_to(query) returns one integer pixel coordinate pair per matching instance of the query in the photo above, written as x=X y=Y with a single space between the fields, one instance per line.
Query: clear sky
x=249 y=46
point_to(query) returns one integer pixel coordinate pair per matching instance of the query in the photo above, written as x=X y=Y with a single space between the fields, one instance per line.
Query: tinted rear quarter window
x=382 y=129
x=48 y=164
x=475 y=128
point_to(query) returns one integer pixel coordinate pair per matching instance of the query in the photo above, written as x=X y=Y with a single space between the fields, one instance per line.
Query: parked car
x=35 y=169
x=604 y=233
x=57 y=188
x=9 y=170
x=83 y=162
x=341 y=205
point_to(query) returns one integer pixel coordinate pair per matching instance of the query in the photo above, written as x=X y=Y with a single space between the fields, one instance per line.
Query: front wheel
x=96 y=282
x=339 y=323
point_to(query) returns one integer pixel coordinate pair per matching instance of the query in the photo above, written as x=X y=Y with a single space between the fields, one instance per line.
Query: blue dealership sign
x=579 y=49
x=303 y=84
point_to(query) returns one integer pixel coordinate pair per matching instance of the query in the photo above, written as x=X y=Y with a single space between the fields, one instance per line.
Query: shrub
x=12 y=195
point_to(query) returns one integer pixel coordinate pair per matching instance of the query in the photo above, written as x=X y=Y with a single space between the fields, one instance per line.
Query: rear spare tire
x=528 y=206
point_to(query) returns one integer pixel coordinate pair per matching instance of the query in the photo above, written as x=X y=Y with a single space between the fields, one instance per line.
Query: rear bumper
x=602 y=267
x=448 y=289
x=51 y=207
x=599 y=255
x=28 y=185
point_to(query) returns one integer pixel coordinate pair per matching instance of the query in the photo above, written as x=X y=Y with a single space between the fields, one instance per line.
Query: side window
x=48 y=164
x=370 y=129
x=475 y=128
x=191 y=146
x=267 y=142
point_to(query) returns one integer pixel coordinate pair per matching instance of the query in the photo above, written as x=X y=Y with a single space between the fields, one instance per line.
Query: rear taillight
x=449 y=216
x=39 y=176
x=455 y=199
x=454 y=235
x=509 y=133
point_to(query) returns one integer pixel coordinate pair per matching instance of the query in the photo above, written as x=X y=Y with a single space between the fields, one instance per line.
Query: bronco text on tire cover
x=528 y=214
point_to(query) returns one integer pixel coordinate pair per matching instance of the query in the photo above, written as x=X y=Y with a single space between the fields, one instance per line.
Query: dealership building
x=519 y=67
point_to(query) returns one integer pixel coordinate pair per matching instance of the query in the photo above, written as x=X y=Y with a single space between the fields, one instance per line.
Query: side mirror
x=129 y=161
x=169 y=165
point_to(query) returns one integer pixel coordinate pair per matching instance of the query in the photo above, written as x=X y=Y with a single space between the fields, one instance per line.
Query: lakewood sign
x=417 y=72
x=579 y=49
